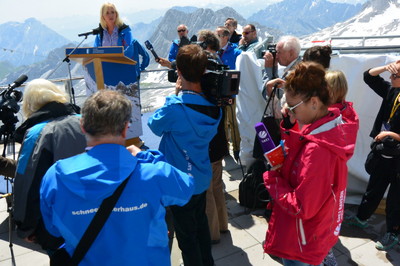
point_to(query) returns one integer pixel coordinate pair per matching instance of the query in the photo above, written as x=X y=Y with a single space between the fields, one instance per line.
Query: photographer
x=187 y=122
x=386 y=172
x=217 y=213
x=286 y=53
x=50 y=132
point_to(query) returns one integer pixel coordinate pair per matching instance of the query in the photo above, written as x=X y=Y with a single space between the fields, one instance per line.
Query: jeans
x=192 y=232
x=295 y=263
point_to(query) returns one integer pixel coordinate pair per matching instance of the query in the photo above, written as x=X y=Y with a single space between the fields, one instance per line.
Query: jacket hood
x=201 y=124
x=49 y=111
x=109 y=164
x=332 y=127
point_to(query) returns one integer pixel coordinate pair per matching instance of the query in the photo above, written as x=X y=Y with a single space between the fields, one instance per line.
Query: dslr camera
x=270 y=48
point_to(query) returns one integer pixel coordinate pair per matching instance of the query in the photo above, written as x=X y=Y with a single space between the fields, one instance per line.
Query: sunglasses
x=395 y=76
x=181 y=30
x=247 y=32
x=291 y=109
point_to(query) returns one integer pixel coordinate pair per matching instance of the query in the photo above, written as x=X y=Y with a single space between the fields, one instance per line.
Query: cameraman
x=216 y=210
x=187 y=123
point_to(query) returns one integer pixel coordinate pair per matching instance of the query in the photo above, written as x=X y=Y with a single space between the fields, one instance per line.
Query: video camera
x=9 y=99
x=218 y=83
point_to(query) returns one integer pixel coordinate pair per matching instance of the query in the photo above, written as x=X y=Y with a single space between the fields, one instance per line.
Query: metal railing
x=361 y=47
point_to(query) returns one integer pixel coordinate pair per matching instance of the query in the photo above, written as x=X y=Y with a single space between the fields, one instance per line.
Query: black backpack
x=252 y=191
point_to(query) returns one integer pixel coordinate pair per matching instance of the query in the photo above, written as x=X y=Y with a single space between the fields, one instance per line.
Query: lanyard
x=395 y=106
x=192 y=92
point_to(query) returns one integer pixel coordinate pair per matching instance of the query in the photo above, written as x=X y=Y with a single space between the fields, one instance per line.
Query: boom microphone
x=94 y=32
x=18 y=82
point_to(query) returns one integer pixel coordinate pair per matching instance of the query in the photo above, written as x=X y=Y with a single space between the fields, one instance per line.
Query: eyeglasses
x=247 y=32
x=291 y=109
x=181 y=30
x=395 y=76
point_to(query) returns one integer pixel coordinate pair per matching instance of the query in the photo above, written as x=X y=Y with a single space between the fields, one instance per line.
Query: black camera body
x=8 y=108
x=219 y=84
x=272 y=49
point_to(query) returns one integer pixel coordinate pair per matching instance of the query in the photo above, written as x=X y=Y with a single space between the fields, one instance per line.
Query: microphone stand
x=71 y=91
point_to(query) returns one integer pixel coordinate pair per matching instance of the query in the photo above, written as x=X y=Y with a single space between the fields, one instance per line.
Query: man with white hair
x=287 y=55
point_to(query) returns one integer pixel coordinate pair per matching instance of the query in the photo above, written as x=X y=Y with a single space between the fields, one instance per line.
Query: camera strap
x=97 y=224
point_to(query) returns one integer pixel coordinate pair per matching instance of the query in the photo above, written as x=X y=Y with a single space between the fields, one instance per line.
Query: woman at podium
x=114 y=32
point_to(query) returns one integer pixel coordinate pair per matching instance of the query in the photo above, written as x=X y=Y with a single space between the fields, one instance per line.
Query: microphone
x=94 y=32
x=18 y=82
x=149 y=46
x=265 y=139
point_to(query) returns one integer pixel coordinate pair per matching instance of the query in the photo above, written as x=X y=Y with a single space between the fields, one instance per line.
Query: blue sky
x=19 y=10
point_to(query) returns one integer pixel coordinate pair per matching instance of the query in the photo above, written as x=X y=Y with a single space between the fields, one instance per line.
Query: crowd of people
x=73 y=161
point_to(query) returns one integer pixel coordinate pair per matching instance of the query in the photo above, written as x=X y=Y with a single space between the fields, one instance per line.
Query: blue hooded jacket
x=186 y=135
x=136 y=232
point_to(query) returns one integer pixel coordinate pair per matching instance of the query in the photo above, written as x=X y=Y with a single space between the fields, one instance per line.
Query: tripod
x=6 y=134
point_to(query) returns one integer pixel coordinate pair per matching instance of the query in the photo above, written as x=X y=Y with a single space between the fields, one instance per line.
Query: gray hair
x=290 y=43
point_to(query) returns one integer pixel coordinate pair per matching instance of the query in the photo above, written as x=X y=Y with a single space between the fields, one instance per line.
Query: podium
x=108 y=68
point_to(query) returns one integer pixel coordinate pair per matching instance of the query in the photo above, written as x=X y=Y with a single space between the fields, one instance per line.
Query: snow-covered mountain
x=28 y=42
x=302 y=17
x=377 y=18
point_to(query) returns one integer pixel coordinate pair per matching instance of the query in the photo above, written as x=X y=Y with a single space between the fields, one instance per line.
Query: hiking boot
x=387 y=241
x=355 y=221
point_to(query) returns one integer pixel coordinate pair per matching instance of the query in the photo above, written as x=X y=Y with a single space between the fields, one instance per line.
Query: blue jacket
x=136 y=232
x=132 y=48
x=228 y=57
x=186 y=135
x=173 y=50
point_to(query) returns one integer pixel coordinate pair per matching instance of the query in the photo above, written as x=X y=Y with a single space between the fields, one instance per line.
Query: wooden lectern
x=108 y=68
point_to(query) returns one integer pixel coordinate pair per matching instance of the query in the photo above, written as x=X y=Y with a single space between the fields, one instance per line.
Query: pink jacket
x=310 y=189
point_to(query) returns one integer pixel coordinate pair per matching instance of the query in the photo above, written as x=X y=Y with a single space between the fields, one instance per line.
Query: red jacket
x=310 y=189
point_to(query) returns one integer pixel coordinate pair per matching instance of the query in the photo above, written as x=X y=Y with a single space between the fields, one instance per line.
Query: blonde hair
x=40 y=92
x=103 y=11
x=337 y=85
